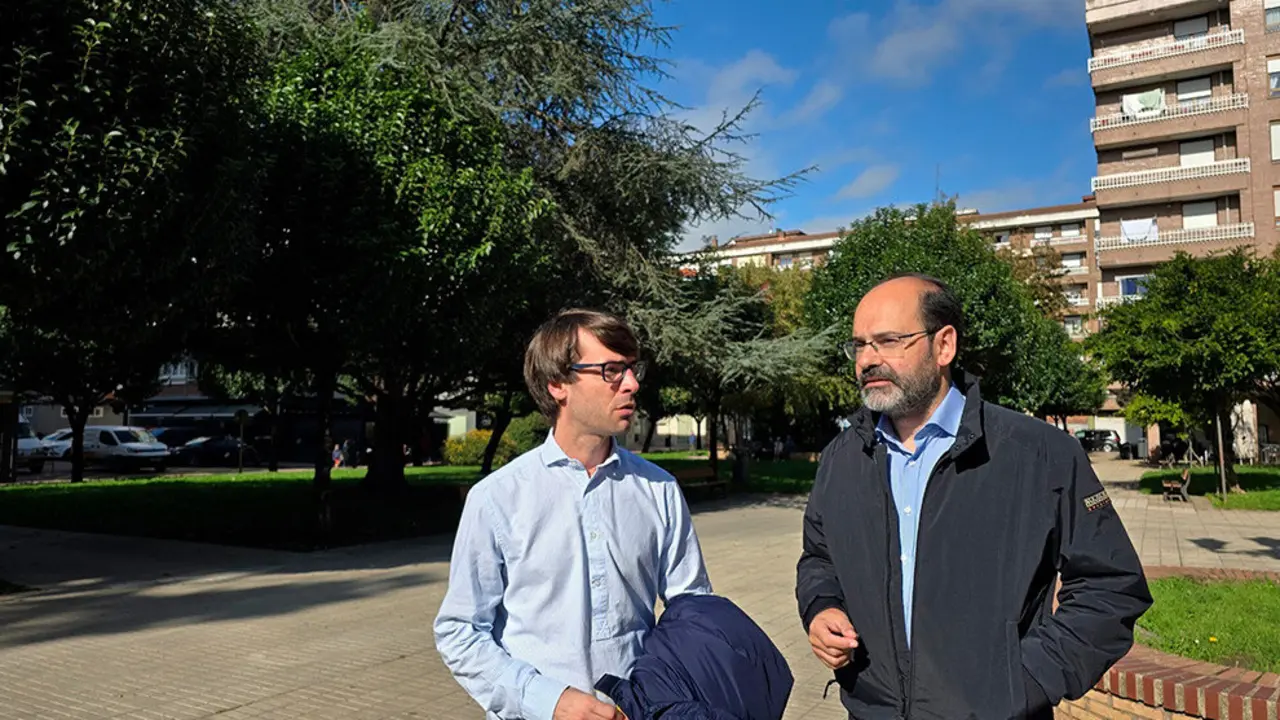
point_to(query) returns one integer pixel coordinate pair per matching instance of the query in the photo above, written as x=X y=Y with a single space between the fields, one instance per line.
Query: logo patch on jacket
x=1097 y=501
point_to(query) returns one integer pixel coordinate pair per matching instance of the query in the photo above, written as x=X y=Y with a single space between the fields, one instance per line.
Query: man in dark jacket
x=936 y=531
x=704 y=660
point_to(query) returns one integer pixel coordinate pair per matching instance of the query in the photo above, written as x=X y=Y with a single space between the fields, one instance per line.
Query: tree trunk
x=322 y=484
x=697 y=434
x=9 y=453
x=386 y=471
x=500 y=424
x=713 y=429
x=648 y=437
x=1227 y=448
x=77 y=417
x=273 y=449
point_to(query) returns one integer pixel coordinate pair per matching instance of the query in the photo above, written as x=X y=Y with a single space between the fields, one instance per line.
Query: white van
x=31 y=451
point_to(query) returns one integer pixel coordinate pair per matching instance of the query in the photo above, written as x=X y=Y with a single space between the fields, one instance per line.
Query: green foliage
x=122 y=132
x=469 y=449
x=1059 y=381
x=1230 y=623
x=527 y=432
x=1144 y=411
x=1003 y=320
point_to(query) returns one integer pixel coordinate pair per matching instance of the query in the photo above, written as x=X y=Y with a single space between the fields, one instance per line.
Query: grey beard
x=907 y=396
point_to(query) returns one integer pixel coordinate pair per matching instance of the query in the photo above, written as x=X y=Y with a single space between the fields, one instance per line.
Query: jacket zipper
x=929 y=484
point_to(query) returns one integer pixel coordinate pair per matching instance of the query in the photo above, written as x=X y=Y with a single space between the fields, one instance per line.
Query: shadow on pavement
x=78 y=612
x=1270 y=547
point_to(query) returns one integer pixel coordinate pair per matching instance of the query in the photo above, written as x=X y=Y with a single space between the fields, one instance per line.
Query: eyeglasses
x=889 y=346
x=612 y=372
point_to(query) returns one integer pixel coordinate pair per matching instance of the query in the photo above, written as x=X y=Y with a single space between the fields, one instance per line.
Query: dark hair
x=939 y=306
x=554 y=348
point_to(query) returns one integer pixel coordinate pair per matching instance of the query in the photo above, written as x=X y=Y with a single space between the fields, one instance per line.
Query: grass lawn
x=1229 y=623
x=1261 y=486
x=280 y=510
x=274 y=510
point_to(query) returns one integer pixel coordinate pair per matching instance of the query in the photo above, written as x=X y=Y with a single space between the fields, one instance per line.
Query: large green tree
x=1203 y=336
x=122 y=131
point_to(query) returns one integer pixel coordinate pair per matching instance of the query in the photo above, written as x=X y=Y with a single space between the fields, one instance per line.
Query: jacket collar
x=971 y=419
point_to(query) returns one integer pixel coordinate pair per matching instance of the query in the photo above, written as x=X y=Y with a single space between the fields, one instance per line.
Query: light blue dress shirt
x=555 y=576
x=909 y=476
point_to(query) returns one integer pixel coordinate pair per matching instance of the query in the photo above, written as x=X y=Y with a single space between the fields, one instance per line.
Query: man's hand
x=832 y=637
x=577 y=705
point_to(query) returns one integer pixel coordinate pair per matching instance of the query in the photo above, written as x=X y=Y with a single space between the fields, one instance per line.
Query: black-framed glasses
x=890 y=346
x=612 y=372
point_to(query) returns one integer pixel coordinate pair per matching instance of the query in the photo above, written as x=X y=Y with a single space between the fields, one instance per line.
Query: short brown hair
x=554 y=348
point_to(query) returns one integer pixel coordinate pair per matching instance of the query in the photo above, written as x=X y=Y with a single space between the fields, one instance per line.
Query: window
x=1273 y=15
x=1275 y=141
x=1044 y=233
x=1200 y=214
x=106 y=438
x=1195 y=153
x=1133 y=285
x=1070 y=230
x=785 y=261
x=1191 y=28
x=1074 y=325
x=1196 y=90
x=1002 y=238
x=1136 y=154
x=1075 y=294
x=1073 y=260
x=1276 y=198
x=1273 y=71
x=28 y=411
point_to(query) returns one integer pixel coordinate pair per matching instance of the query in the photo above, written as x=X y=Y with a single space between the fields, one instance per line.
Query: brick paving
x=130 y=628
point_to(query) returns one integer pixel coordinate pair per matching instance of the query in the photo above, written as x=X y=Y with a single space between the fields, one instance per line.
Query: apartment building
x=1187 y=131
x=1070 y=231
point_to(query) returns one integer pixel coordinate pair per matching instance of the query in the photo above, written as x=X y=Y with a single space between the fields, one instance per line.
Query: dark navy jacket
x=704 y=660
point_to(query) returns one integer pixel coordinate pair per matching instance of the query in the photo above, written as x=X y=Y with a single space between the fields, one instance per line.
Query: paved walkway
x=127 y=628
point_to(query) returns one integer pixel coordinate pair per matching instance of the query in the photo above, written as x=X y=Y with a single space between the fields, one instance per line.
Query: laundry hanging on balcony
x=1140 y=230
x=1143 y=105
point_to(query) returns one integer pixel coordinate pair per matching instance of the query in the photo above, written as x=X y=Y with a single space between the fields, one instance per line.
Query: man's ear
x=947 y=341
x=558 y=390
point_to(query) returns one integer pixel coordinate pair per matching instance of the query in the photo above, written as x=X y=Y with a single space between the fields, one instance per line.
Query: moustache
x=877 y=373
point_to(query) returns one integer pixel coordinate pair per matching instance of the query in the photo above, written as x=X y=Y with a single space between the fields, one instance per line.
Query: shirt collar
x=945 y=418
x=553 y=455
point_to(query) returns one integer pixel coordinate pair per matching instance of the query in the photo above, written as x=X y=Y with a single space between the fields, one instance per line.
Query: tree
x=999 y=310
x=121 y=134
x=1067 y=384
x=715 y=331
x=1202 y=338
x=1040 y=271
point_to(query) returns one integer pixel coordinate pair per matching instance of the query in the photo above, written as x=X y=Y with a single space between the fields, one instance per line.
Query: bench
x=701 y=477
x=1178 y=488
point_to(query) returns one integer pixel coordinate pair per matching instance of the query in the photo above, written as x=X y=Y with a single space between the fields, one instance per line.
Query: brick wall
x=1169 y=154
x=1150 y=684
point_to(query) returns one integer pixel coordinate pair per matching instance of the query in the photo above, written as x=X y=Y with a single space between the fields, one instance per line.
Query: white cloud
x=824 y=96
x=871 y=181
x=914 y=40
x=1058 y=188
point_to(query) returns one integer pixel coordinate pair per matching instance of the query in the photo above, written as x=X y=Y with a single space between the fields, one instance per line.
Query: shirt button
x=597 y=581
x=594 y=534
x=905 y=558
x=906 y=511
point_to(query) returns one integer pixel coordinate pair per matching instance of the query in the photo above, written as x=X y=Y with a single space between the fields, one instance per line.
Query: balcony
x=1119 y=252
x=1108 y=15
x=1116 y=300
x=1170 y=57
x=1183 y=119
x=1063 y=240
x=1168 y=183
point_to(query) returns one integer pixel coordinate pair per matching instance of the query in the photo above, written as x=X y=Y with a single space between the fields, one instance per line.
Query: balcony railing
x=1237 y=101
x=1170 y=174
x=1171 y=48
x=1077 y=300
x=1116 y=300
x=1179 y=237
x=1075 y=270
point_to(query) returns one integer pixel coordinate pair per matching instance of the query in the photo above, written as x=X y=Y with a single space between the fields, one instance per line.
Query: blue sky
x=880 y=94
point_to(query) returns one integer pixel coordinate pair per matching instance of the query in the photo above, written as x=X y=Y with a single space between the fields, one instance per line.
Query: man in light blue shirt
x=909 y=469
x=561 y=555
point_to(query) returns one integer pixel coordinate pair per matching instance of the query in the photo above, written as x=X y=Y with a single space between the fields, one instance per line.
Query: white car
x=31 y=451
x=57 y=445
x=124 y=446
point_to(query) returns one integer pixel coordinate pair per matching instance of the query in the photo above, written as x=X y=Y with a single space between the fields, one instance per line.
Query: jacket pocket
x=1015 y=671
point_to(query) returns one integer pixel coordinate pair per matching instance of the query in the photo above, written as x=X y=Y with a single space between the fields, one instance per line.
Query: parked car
x=1095 y=440
x=124 y=447
x=32 y=453
x=57 y=444
x=175 y=437
x=220 y=451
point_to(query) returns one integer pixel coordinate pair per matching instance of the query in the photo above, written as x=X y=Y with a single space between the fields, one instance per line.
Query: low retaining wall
x=1150 y=684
